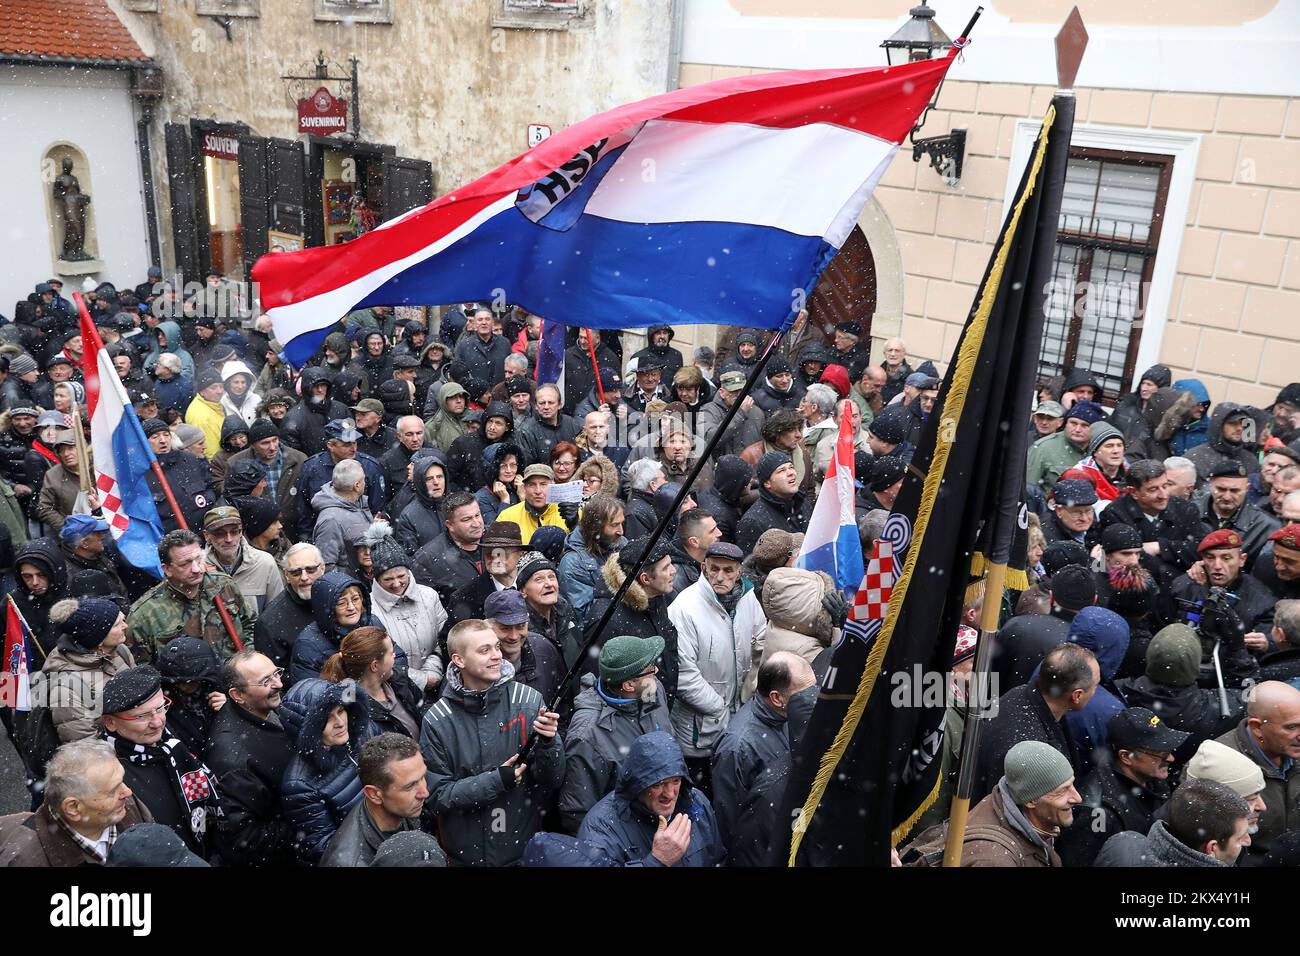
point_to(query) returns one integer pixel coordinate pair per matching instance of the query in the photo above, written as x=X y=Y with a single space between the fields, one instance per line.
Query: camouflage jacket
x=163 y=613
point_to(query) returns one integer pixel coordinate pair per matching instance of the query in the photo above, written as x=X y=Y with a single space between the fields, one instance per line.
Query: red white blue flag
x=831 y=543
x=16 y=682
x=720 y=203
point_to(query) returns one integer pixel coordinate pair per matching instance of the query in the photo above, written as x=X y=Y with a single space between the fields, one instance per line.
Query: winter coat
x=70 y=683
x=413 y=620
x=1167 y=413
x=38 y=840
x=639 y=517
x=1178 y=530
x=303 y=427
x=1158 y=847
x=358 y=838
x=385 y=719
x=769 y=511
x=1255 y=603
x=316 y=475
x=286 y=490
x=579 y=376
x=1196 y=431
x=174 y=393
x=637 y=615
x=1253 y=525
x=421 y=521
x=338 y=522
x=247 y=407
x=484 y=817
x=1022 y=715
x=769 y=399
x=796 y=620
x=1050 y=457
x=600 y=734
x=1106 y=635
x=442 y=430
x=190 y=479
x=209 y=417
x=541 y=666
x=250 y=756
x=43 y=553
x=465 y=455
x=621 y=826
x=1023 y=642
x=1129 y=411
x=320 y=784
x=320 y=639
x=446 y=567
x=745 y=429
x=173 y=332
x=1281 y=789
x=714 y=653
x=57 y=497
x=279 y=625
x=1112 y=803
x=257 y=575
x=486 y=360
x=753 y=743
x=529 y=522
x=580 y=572
x=1217 y=449
x=997 y=834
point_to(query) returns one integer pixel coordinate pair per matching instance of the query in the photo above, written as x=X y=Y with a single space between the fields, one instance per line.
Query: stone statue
x=71 y=204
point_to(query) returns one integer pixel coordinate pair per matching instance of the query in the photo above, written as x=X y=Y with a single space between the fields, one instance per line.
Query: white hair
x=346 y=474
x=641 y=472
x=1180 y=465
x=170 y=362
x=65 y=776
x=294 y=549
x=824 y=398
x=514 y=358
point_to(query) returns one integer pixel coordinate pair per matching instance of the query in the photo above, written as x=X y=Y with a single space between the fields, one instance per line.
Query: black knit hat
x=87 y=626
x=770 y=463
x=530 y=564
x=258 y=514
x=633 y=550
x=262 y=428
x=1120 y=537
x=1061 y=554
x=890 y=425
x=243 y=476
x=153 y=426
x=130 y=688
x=1074 y=588
x=188 y=659
x=886 y=471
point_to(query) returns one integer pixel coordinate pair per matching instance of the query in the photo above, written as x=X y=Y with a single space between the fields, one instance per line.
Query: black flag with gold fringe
x=868 y=764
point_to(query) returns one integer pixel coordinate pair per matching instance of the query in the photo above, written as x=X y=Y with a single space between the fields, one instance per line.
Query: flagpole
x=1071 y=41
x=83 y=456
x=593 y=632
x=595 y=367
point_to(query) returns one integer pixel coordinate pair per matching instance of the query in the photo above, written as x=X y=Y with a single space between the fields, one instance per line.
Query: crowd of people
x=381 y=567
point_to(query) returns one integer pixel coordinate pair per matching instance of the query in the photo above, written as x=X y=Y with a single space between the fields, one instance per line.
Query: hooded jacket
x=599 y=737
x=714 y=651
x=637 y=615
x=621 y=826
x=1167 y=412
x=338 y=521
x=304 y=424
x=70 y=682
x=796 y=620
x=490 y=470
x=320 y=784
x=421 y=521
x=1105 y=634
x=35 y=609
x=250 y=756
x=723 y=500
x=1196 y=431
x=442 y=430
x=320 y=639
x=173 y=333
x=465 y=455
x=1218 y=449
x=484 y=817
x=1128 y=413
x=247 y=407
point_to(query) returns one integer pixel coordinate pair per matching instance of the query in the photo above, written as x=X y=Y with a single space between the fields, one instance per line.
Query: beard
x=649 y=693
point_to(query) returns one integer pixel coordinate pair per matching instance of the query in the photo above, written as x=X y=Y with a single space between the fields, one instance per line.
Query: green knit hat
x=623 y=658
x=1034 y=768
x=1174 y=656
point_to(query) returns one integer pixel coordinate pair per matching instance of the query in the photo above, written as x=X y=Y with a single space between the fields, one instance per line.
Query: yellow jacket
x=518 y=514
x=208 y=416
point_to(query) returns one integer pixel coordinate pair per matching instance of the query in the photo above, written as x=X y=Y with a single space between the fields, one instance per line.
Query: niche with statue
x=69 y=211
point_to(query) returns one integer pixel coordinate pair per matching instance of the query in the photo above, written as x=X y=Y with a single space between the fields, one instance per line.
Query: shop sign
x=322 y=113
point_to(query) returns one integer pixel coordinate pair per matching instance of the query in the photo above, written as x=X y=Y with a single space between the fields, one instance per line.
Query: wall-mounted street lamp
x=920 y=38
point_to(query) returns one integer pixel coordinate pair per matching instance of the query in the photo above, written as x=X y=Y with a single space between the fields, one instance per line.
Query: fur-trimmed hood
x=1169 y=410
x=607 y=470
x=613 y=575
x=792 y=600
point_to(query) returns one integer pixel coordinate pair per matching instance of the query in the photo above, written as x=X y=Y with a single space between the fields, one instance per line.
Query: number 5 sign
x=536 y=133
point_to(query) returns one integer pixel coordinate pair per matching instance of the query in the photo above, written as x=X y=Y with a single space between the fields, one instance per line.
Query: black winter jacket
x=249 y=756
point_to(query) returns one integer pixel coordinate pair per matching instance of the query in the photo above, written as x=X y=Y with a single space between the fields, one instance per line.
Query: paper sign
x=569 y=493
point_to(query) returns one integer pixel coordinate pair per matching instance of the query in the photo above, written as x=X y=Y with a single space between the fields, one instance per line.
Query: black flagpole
x=594 y=632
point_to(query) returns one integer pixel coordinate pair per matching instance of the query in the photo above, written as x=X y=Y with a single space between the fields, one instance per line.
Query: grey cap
x=1050 y=409
x=1033 y=769
x=506 y=607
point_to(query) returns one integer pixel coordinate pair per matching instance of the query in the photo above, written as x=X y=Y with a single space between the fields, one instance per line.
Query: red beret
x=1287 y=536
x=1223 y=538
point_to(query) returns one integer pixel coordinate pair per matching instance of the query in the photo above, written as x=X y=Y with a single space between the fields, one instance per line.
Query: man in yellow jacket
x=533 y=510
x=205 y=411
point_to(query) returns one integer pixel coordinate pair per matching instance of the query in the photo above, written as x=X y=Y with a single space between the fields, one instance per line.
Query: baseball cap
x=342 y=429
x=369 y=405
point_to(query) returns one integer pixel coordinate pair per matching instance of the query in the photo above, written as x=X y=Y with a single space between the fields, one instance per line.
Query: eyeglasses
x=303 y=571
x=651 y=672
x=160 y=709
x=349 y=600
x=234 y=531
x=266 y=681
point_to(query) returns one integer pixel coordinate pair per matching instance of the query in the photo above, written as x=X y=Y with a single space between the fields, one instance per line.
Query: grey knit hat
x=21 y=365
x=1033 y=769
x=1099 y=432
x=385 y=552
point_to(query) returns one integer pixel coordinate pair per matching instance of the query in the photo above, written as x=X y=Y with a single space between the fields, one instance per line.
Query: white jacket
x=714 y=654
x=413 y=620
x=247 y=409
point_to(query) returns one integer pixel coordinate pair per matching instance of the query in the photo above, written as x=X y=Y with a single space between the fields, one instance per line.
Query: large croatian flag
x=15 y=678
x=718 y=203
x=831 y=543
x=122 y=455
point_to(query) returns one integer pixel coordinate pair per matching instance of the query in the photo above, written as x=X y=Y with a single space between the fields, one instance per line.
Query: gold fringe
x=1017 y=580
x=954 y=404
x=905 y=827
